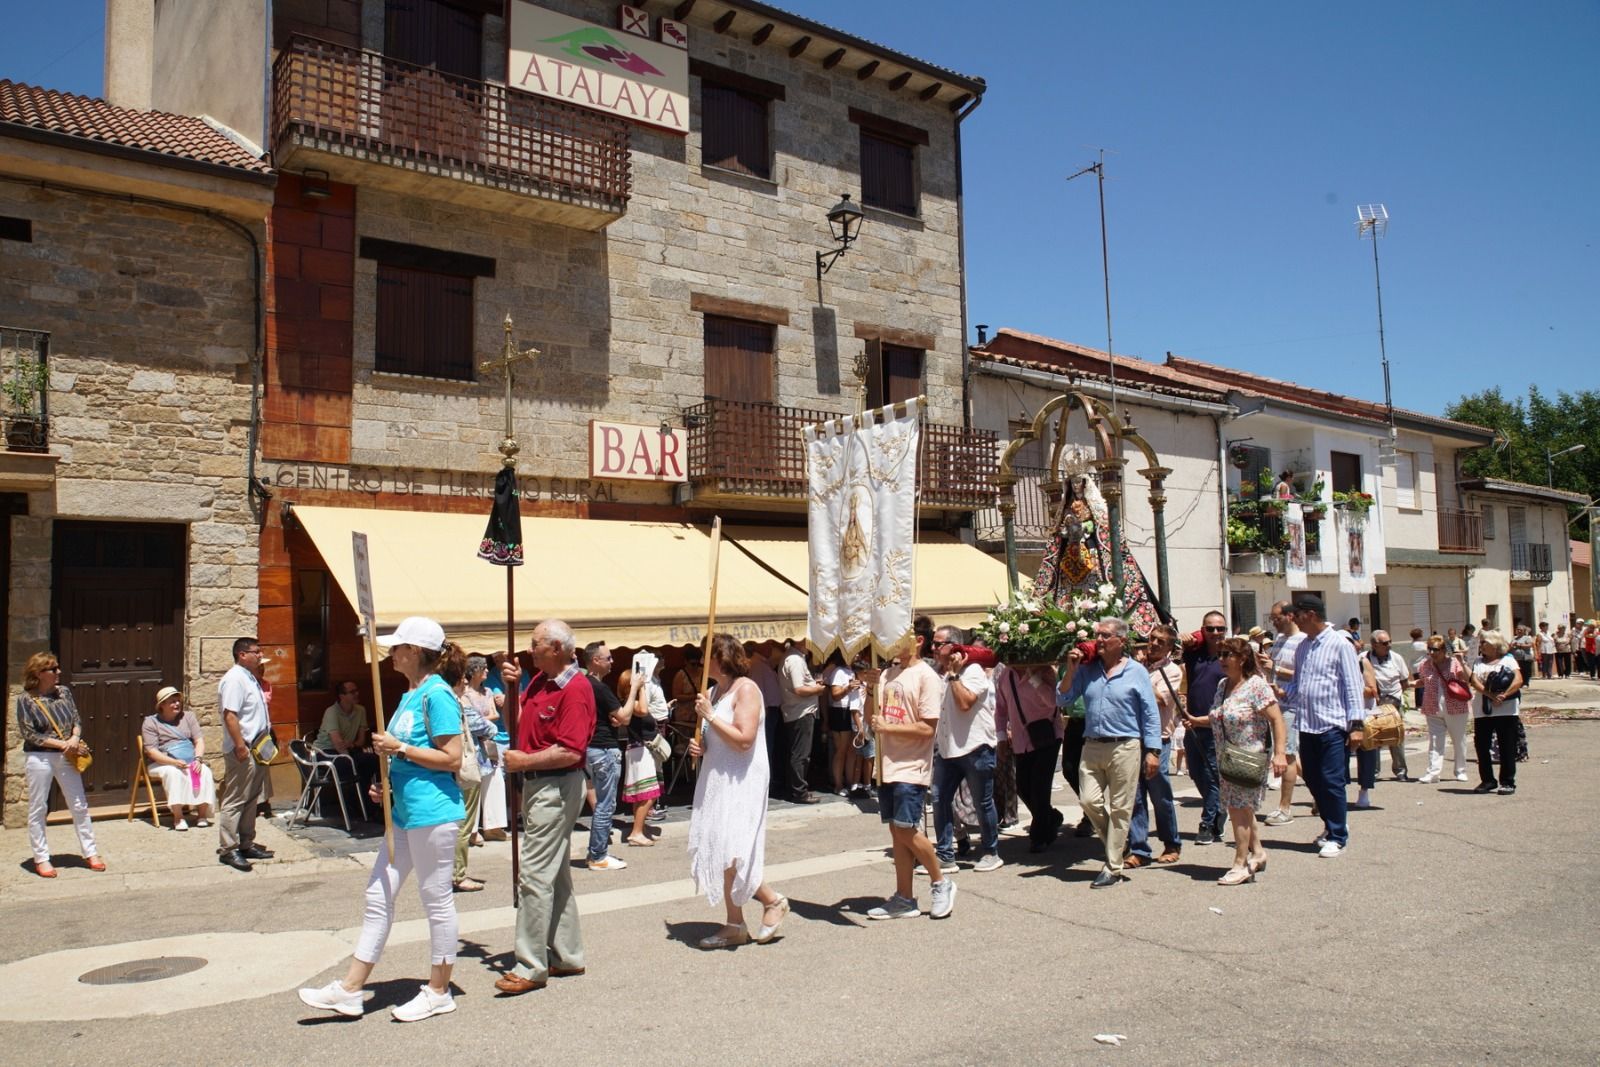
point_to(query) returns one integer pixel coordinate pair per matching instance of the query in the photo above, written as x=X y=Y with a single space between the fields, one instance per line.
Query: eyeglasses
x=1216 y=629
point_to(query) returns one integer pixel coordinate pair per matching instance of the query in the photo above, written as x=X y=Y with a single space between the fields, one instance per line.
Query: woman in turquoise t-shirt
x=423 y=744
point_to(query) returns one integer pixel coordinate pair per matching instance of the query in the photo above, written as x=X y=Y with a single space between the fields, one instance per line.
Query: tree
x=1526 y=429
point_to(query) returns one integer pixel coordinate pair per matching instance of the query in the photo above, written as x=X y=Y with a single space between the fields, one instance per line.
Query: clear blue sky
x=1244 y=134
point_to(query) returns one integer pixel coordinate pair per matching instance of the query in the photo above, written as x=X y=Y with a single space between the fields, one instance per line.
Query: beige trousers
x=241 y=786
x=1108 y=779
x=547 y=911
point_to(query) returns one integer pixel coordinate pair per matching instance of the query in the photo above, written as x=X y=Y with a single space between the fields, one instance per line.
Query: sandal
x=95 y=863
x=467 y=885
x=1258 y=863
x=1135 y=861
x=727 y=937
x=44 y=870
x=1171 y=855
x=769 y=931
x=646 y=843
x=1237 y=876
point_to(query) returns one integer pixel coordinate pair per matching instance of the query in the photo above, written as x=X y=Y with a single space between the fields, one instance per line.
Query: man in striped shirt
x=1326 y=692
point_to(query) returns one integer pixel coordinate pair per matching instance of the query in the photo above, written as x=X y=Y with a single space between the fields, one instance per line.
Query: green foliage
x=24 y=380
x=1530 y=426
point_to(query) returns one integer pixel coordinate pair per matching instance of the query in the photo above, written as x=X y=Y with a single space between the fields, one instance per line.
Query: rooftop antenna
x=1372 y=222
x=1099 y=169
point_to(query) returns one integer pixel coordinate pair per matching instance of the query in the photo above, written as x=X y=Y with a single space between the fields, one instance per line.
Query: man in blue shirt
x=1326 y=693
x=1121 y=721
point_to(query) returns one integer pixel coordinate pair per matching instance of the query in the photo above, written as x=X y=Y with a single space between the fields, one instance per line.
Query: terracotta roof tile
x=93 y=119
x=1160 y=388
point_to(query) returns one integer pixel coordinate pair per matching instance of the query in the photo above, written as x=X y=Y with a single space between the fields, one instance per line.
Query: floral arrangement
x=1027 y=630
x=1355 y=502
x=1239 y=456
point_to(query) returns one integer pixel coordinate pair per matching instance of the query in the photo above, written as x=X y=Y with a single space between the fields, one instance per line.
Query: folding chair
x=142 y=772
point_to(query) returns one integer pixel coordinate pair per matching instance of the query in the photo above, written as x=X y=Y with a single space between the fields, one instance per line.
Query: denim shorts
x=1291 y=745
x=902 y=803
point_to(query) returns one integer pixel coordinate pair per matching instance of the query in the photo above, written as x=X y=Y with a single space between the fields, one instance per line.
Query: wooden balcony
x=367 y=119
x=753 y=455
x=1460 y=531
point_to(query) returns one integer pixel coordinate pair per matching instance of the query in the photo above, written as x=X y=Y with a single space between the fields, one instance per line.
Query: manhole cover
x=153 y=970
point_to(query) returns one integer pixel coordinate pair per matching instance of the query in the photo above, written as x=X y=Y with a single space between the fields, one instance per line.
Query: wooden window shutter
x=888 y=173
x=424 y=323
x=902 y=373
x=733 y=130
x=739 y=360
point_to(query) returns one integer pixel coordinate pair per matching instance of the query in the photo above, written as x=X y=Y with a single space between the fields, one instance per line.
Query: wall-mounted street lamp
x=314 y=185
x=1550 y=462
x=844 y=220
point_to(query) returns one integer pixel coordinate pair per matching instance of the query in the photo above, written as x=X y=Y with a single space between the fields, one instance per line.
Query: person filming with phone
x=1121 y=736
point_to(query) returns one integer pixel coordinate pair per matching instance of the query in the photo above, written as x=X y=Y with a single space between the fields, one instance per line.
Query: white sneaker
x=181 y=824
x=896 y=907
x=944 y=898
x=1364 y=800
x=1461 y=776
x=608 y=863
x=991 y=862
x=1279 y=817
x=1428 y=779
x=1330 y=849
x=1322 y=839
x=424 y=1005
x=335 y=997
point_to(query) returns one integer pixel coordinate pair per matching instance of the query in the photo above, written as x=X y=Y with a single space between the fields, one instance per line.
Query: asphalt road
x=1458 y=928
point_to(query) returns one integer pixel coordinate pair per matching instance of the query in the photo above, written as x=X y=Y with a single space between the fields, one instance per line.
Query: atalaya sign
x=580 y=63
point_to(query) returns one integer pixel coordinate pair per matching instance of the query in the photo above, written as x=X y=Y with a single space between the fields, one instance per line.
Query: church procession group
x=950 y=721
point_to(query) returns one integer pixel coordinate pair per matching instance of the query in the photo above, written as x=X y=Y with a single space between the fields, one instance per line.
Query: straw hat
x=166 y=693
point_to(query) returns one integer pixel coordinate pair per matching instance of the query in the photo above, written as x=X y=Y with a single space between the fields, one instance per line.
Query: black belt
x=1111 y=740
x=550 y=774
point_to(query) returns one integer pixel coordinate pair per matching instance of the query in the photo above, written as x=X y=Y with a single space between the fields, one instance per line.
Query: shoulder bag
x=469 y=775
x=1041 y=732
x=1244 y=767
x=83 y=760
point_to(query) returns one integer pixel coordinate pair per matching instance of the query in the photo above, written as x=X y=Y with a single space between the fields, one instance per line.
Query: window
x=1346 y=472
x=1031 y=455
x=1422 y=609
x=735 y=119
x=1517 y=525
x=1243 y=605
x=894 y=373
x=1405 y=479
x=311 y=630
x=14 y=229
x=435 y=33
x=424 y=323
x=1488 y=522
x=1491 y=617
x=888 y=162
x=1257 y=478
x=740 y=362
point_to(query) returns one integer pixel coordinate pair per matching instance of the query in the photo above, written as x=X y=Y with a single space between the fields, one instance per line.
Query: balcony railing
x=1460 y=531
x=1258 y=537
x=1530 y=562
x=1031 y=525
x=756 y=451
x=25 y=388
x=365 y=105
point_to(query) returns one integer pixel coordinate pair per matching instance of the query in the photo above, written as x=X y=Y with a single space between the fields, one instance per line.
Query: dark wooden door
x=118 y=629
x=438 y=111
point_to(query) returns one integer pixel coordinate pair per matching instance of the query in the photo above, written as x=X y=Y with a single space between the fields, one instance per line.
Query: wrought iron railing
x=25 y=388
x=756 y=450
x=1530 y=562
x=1033 y=519
x=361 y=103
x=1460 y=531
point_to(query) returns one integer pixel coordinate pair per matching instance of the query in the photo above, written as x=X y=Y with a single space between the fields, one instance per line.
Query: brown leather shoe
x=566 y=972
x=516 y=985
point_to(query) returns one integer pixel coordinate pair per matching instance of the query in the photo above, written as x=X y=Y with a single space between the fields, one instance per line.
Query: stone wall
x=150 y=312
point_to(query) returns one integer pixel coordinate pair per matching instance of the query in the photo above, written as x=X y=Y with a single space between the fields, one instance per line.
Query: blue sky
x=1242 y=136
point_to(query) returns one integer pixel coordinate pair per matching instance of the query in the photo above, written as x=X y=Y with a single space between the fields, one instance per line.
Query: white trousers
x=41 y=769
x=430 y=851
x=1456 y=727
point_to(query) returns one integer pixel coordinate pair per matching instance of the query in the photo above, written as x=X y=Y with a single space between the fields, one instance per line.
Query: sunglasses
x=1216 y=629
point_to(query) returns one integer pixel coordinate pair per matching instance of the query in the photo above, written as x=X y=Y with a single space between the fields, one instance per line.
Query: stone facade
x=151 y=316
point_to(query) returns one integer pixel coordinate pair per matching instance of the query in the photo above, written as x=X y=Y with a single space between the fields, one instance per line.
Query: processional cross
x=509 y=358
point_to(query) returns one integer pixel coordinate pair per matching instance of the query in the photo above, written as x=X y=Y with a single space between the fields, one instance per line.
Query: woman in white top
x=1497 y=713
x=1446 y=712
x=728 y=831
x=844 y=711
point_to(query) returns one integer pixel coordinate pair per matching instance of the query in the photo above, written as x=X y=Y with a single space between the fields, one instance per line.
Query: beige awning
x=629 y=583
x=956 y=584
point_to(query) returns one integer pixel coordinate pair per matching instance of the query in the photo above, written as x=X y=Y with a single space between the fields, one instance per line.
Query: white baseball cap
x=416 y=630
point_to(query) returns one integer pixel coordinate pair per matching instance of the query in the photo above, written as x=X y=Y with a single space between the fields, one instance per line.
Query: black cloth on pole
x=502 y=538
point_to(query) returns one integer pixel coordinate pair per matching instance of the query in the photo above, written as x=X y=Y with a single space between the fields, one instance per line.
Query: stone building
x=643 y=192
x=130 y=255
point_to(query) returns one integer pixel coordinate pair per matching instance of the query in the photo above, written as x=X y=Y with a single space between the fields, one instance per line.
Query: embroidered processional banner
x=1355 y=569
x=1294 y=565
x=862 y=474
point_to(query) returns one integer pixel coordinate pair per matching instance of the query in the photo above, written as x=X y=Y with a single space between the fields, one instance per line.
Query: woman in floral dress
x=1246 y=714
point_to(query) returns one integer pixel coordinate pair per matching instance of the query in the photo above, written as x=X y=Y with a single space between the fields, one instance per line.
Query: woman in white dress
x=174 y=750
x=728 y=831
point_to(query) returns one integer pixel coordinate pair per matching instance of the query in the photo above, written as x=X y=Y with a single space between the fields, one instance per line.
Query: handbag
x=83 y=760
x=264 y=748
x=1243 y=767
x=466 y=777
x=1383 y=728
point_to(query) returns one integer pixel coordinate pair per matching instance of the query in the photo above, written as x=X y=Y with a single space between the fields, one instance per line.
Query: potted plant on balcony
x=1355 y=503
x=1312 y=504
x=1239 y=456
x=24 y=384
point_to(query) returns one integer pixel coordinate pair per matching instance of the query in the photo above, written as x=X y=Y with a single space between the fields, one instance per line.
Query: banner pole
x=711 y=622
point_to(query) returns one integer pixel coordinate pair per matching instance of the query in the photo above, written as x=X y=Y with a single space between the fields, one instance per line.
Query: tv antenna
x=1372 y=222
x=1099 y=169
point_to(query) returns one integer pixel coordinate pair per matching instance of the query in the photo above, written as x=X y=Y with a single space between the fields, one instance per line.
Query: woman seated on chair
x=173 y=749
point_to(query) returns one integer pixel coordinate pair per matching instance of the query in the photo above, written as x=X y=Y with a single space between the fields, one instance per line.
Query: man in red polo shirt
x=554 y=725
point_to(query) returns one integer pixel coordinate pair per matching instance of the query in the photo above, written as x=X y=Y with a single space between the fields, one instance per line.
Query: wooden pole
x=377 y=715
x=711 y=622
x=512 y=705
